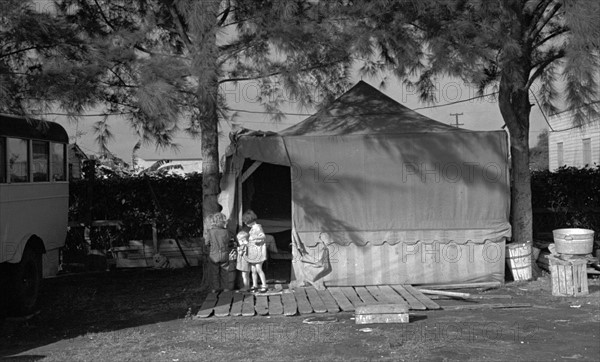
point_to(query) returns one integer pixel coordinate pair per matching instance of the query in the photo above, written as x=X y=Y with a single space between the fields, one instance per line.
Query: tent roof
x=365 y=110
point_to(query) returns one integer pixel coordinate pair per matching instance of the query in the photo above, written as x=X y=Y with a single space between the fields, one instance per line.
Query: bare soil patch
x=147 y=315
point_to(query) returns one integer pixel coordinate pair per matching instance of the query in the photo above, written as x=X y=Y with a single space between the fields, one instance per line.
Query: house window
x=559 y=154
x=587 y=151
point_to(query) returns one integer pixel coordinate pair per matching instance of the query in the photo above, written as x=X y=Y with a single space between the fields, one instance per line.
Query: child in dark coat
x=218 y=240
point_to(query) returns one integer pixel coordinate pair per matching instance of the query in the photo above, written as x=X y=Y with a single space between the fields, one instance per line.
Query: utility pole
x=456 y=115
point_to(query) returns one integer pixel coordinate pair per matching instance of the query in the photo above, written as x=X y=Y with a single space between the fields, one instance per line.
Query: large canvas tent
x=383 y=195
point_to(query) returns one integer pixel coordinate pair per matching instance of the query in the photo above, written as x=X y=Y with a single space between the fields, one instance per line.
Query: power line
x=456 y=102
x=284 y=113
x=541 y=110
x=265 y=112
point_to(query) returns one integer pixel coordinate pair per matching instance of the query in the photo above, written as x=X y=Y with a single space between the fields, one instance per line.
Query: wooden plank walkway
x=309 y=300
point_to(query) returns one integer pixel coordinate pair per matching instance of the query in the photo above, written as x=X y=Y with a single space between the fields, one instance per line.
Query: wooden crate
x=569 y=277
x=381 y=313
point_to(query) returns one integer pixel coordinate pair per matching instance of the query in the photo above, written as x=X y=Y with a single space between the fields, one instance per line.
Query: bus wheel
x=26 y=280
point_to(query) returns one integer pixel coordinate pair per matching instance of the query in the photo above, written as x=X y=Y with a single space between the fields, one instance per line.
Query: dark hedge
x=173 y=202
x=568 y=197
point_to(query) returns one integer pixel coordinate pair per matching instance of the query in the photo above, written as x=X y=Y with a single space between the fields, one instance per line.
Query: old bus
x=34 y=202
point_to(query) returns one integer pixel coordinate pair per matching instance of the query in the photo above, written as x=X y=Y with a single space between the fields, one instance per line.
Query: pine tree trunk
x=210 y=163
x=515 y=109
x=203 y=25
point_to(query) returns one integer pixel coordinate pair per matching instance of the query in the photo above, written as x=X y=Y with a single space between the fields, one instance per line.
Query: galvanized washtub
x=573 y=241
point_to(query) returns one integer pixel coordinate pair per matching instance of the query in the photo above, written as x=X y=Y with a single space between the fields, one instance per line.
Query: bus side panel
x=33 y=209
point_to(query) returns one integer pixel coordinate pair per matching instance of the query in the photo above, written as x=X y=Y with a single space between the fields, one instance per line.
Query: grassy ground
x=148 y=315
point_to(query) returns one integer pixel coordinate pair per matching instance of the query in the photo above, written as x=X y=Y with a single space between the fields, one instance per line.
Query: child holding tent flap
x=218 y=239
x=257 y=251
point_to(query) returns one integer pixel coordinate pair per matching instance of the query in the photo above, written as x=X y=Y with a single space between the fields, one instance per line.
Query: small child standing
x=242 y=264
x=217 y=239
x=257 y=251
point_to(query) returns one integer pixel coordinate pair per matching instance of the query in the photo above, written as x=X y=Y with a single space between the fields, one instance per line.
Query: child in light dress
x=242 y=264
x=257 y=251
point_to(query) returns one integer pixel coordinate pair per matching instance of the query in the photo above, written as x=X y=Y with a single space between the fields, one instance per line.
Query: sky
x=477 y=114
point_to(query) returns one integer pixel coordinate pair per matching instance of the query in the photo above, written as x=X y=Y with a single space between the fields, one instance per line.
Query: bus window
x=18 y=167
x=40 y=161
x=58 y=162
x=2 y=160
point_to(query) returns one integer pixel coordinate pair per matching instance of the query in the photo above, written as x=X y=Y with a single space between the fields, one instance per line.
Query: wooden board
x=350 y=293
x=223 y=304
x=341 y=299
x=430 y=292
x=377 y=292
x=381 y=313
x=463 y=285
x=421 y=297
x=472 y=297
x=269 y=293
x=262 y=305
x=290 y=306
x=487 y=306
x=207 y=306
x=329 y=301
x=364 y=294
x=381 y=309
x=236 y=305
x=304 y=306
x=381 y=318
x=391 y=295
x=248 y=305
x=275 y=306
x=592 y=271
x=413 y=302
x=315 y=301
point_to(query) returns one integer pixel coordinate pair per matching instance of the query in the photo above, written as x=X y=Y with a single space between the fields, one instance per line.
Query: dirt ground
x=148 y=315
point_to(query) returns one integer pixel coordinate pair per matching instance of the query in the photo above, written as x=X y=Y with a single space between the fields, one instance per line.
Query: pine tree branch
x=180 y=29
x=267 y=75
x=541 y=66
x=556 y=33
x=231 y=50
x=224 y=14
x=110 y=25
x=27 y=49
x=544 y=21
x=123 y=84
x=540 y=9
x=82 y=115
x=104 y=16
x=240 y=21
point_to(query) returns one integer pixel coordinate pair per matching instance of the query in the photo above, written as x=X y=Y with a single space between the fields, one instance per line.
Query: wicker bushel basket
x=573 y=241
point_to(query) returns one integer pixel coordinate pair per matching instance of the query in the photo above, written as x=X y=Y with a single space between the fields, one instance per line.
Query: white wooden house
x=571 y=145
x=76 y=158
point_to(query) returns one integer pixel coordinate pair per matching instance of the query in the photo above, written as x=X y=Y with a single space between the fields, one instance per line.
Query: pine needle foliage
x=546 y=47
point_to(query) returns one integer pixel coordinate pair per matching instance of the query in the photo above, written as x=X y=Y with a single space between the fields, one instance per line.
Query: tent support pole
x=240 y=181
x=250 y=170
x=240 y=202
